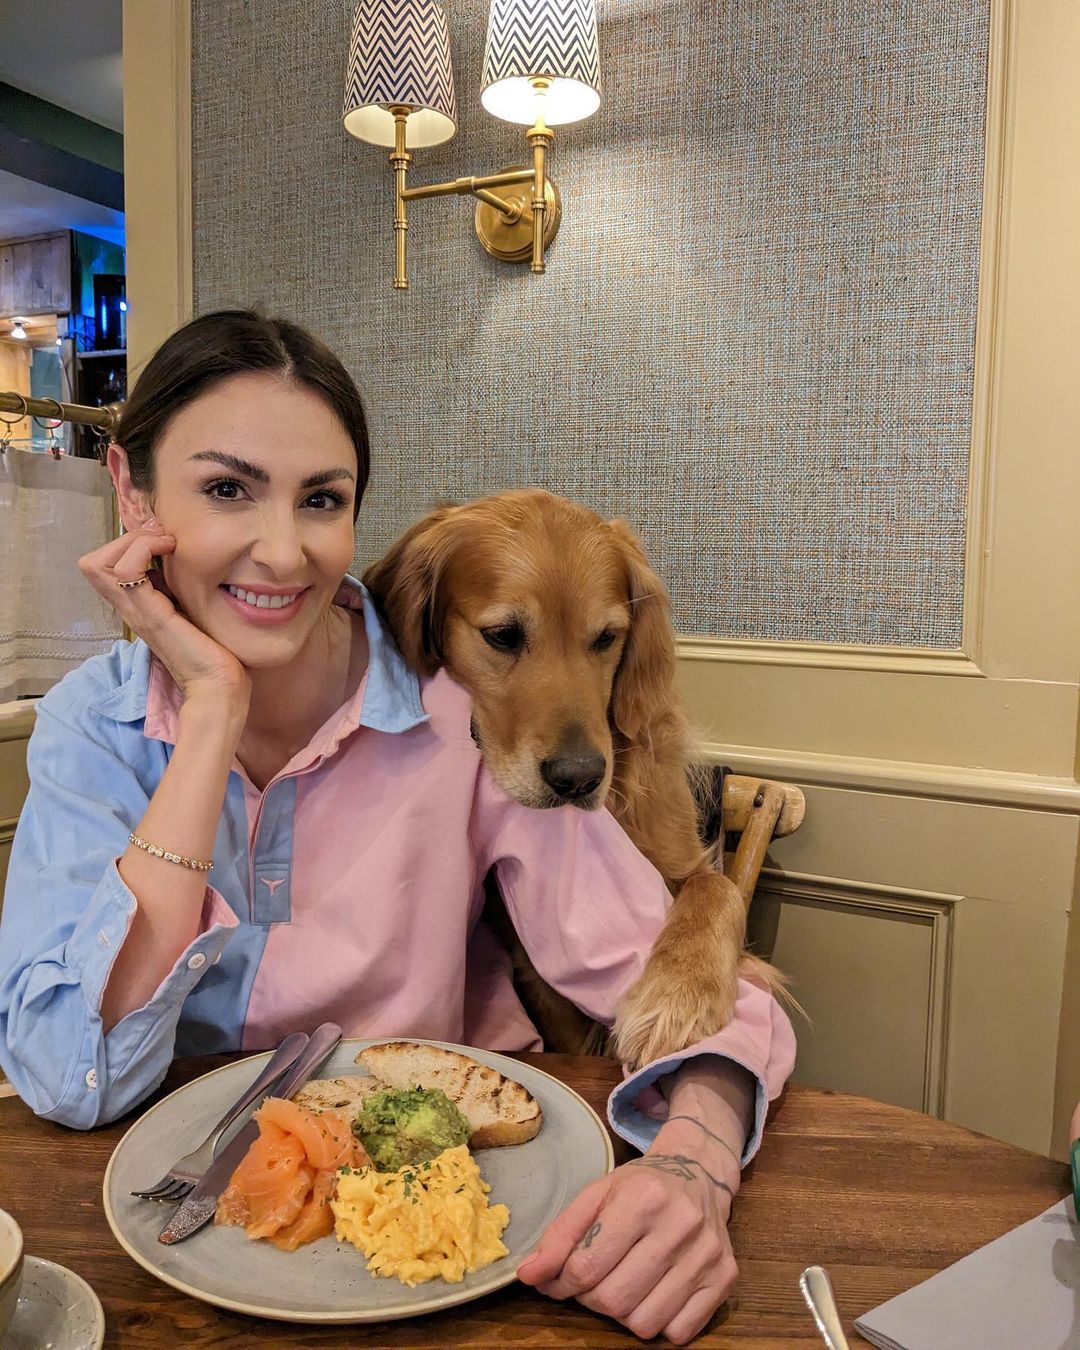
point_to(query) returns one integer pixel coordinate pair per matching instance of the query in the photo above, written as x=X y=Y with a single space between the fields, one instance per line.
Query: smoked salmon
x=325 y=1136
x=281 y=1189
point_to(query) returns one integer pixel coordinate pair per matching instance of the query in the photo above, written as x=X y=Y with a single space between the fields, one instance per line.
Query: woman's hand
x=648 y=1244
x=198 y=664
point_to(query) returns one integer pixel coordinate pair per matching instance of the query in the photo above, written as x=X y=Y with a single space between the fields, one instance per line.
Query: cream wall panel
x=1068 y=1053
x=1029 y=618
x=943 y=782
x=882 y=962
x=1004 y=854
x=1005 y=875
x=157 y=171
x=975 y=1012
x=1022 y=726
x=1005 y=1002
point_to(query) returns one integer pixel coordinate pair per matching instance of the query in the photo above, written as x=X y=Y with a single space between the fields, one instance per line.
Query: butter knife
x=818 y=1292
x=199 y=1207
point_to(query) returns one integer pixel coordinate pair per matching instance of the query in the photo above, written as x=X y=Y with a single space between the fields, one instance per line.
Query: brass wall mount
x=508 y=235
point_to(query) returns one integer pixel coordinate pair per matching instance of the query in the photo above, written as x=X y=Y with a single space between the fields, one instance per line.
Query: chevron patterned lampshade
x=400 y=56
x=550 y=39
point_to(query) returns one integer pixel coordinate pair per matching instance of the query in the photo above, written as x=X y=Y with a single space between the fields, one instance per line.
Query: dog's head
x=551 y=618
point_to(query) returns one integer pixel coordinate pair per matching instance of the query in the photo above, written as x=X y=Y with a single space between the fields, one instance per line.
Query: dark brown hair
x=230 y=342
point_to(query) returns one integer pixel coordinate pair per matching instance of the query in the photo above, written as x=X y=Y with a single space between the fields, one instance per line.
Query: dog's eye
x=604 y=640
x=507 y=637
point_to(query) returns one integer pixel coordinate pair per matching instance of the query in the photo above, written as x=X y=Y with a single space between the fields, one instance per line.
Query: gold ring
x=137 y=582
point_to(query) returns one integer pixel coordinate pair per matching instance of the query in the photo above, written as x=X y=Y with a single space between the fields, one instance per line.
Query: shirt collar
x=391 y=699
x=387 y=699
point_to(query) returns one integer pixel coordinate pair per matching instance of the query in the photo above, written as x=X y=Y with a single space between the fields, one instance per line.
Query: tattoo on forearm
x=679 y=1165
x=587 y=1240
x=711 y=1133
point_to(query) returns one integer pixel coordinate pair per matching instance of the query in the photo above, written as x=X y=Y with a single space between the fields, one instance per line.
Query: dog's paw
x=672 y=1006
x=688 y=988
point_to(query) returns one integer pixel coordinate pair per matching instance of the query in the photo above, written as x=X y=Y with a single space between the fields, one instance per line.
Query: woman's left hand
x=647 y=1244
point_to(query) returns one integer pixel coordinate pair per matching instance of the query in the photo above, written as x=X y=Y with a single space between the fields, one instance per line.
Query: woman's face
x=256 y=480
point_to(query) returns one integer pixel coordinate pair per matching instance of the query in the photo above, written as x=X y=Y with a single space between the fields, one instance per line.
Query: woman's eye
x=224 y=490
x=325 y=501
x=604 y=640
x=507 y=637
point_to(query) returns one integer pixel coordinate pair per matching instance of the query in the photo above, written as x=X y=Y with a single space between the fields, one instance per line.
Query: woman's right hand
x=200 y=666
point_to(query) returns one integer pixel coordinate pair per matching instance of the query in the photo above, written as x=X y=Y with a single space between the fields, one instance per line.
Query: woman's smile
x=265 y=604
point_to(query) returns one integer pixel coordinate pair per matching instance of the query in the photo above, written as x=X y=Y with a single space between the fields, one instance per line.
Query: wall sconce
x=541 y=70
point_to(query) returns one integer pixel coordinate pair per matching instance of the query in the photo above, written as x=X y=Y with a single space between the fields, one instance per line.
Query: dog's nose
x=573 y=775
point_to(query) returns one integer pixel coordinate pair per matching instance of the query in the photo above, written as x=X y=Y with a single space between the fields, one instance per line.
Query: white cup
x=11 y=1268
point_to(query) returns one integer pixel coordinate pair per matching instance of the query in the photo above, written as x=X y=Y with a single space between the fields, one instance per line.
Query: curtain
x=52 y=511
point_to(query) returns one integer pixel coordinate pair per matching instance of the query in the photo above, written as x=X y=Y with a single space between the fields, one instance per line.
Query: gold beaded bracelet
x=193 y=863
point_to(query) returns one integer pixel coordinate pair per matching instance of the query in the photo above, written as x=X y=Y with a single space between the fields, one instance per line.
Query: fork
x=186 y=1171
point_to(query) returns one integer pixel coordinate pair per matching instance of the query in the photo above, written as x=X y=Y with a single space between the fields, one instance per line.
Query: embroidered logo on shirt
x=272 y=886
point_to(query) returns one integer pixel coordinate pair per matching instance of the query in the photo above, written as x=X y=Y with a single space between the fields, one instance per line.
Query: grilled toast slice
x=338 y=1094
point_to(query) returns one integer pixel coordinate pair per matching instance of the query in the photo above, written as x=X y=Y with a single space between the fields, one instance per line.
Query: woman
x=262 y=722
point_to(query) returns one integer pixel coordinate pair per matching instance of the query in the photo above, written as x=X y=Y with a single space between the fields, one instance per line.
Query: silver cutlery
x=199 y=1206
x=189 y=1169
x=817 y=1290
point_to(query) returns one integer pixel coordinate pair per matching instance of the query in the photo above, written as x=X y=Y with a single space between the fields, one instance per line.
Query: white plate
x=326 y=1281
x=56 y=1308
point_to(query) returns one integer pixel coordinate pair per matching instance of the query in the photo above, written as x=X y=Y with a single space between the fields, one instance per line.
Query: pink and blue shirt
x=349 y=889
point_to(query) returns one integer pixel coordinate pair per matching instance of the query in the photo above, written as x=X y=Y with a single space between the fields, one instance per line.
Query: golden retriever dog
x=554 y=622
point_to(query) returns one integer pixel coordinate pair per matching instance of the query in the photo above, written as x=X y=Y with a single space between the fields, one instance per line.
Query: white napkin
x=1021 y=1292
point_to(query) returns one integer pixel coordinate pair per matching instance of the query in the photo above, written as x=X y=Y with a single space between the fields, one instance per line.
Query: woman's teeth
x=262 y=601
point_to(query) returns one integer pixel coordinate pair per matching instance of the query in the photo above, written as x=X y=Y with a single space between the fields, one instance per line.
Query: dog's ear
x=406 y=587
x=646 y=673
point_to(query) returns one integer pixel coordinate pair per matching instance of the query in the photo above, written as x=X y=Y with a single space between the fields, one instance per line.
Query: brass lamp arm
x=476 y=186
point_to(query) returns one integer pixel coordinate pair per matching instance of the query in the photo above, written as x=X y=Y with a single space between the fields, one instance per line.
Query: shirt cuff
x=631 y=1118
x=103 y=927
x=759 y=1039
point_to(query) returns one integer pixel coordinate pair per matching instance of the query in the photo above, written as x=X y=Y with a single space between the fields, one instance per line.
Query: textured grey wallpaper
x=755 y=336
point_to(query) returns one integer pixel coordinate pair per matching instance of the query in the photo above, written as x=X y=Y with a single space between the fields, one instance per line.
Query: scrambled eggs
x=421 y=1221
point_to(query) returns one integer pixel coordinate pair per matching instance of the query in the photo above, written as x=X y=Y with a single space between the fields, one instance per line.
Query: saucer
x=57 y=1310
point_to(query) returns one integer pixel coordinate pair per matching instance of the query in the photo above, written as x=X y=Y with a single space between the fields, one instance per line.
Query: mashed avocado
x=413 y=1125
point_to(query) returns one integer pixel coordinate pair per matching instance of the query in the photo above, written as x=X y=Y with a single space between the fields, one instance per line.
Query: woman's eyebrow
x=235 y=463
x=327 y=476
x=259 y=475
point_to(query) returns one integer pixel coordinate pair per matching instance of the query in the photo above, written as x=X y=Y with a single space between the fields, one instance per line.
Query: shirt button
x=196 y=962
x=91 y=1079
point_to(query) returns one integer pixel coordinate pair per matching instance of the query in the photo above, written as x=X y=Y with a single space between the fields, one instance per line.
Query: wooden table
x=880 y=1196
